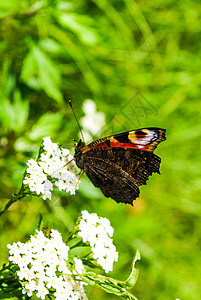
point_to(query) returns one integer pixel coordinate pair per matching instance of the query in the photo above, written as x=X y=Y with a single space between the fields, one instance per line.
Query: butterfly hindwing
x=139 y=164
x=113 y=181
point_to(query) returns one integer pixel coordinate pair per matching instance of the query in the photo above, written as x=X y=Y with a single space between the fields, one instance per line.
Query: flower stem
x=15 y=198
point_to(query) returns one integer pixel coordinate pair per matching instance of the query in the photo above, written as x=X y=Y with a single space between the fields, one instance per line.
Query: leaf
x=50 y=46
x=80 y=251
x=131 y=281
x=78 y=55
x=46 y=125
x=91 y=263
x=29 y=66
x=14 y=115
x=114 y=286
x=40 y=72
x=109 y=285
x=6 y=114
x=21 y=111
x=78 y=24
x=10 y=287
x=73 y=242
x=7 y=8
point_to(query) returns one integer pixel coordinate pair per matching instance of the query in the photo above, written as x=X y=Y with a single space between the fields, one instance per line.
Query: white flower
x=67 y=181
x=106 y=225
x=93 y=121
x=49 y=146
x=78 y=265
x=42 y=266
x=42 y=291
x=53 y=163
x=98 y=233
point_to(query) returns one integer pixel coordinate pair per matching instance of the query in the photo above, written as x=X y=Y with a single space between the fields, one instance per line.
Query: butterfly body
x=119 y=164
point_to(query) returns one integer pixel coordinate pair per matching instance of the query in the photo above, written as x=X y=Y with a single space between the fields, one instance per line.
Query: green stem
x=15 y=198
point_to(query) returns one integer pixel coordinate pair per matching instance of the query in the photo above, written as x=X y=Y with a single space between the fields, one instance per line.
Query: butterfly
x=120 y=163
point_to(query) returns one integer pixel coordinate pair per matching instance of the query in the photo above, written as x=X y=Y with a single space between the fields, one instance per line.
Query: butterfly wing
x=118 y=172
x=113 y=181
x=145 y=139
x=120 y=163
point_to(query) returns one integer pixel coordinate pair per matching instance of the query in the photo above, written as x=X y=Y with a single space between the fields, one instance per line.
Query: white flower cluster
x=93 y=121
x=42 y=266
x=52 y=162
x=98 y=232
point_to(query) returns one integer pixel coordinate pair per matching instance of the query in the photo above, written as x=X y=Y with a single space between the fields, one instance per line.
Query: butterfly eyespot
x=140 y=133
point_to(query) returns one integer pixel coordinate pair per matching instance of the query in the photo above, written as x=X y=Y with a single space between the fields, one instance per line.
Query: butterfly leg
x=81 y=173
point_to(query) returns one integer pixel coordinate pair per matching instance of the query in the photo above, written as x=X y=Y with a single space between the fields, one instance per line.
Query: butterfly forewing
x=145 y=139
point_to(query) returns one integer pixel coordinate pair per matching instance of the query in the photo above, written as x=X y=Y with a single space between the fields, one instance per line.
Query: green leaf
x=50 y=46
x=74 y=242
x=10 y=287
x=21 y=111
x=91 y=263
x=80 y=251
x=65 y=6
x=7 y=8
x=39 y=71
x=114 y=286
x=109 y=285
x=79 y=25
x=14 y=115
x=46 y=125
x=29 y=66
x=6 y=114
x=131 y=281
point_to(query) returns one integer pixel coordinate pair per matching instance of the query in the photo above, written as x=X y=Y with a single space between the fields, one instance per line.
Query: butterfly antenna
x=70 y=103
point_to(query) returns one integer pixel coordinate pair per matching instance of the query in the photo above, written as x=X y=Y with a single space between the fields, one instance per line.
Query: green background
x=139 y=61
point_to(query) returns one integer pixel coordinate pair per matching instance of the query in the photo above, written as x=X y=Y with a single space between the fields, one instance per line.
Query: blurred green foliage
x=140 y=62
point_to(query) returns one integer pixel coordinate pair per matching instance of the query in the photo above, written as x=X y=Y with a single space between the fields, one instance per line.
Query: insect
x=120 y=163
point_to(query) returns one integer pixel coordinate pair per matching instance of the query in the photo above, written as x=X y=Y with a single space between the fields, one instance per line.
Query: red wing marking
x=101 y=145
x=129 y=145
x=116 y=144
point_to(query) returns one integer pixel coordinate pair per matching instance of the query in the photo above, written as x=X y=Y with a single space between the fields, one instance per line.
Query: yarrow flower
x=51 y=170
x=42 y=266
x=98 y=232
x=93 y=121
